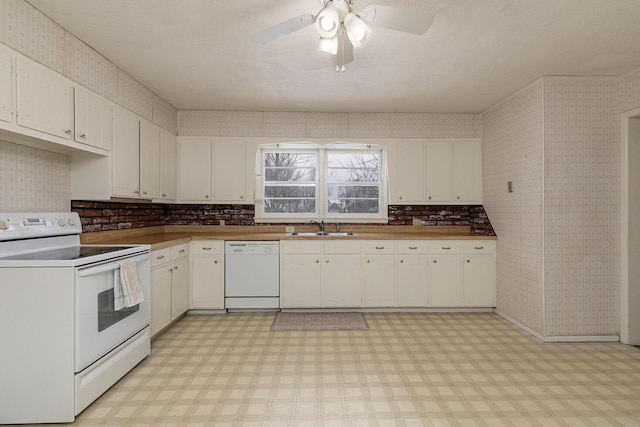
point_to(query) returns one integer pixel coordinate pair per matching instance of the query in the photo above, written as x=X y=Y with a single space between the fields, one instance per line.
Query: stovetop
x=64 y=254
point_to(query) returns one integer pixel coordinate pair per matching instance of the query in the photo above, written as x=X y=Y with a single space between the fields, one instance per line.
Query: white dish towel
x=127 y=291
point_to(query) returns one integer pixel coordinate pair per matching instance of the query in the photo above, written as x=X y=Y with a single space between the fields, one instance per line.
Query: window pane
x=290 y=160
x=289 y=175
x=369 y=206
x=354 y=191
x=353 y=175
x=289 y=205
x=352 y=160
x=293 y=191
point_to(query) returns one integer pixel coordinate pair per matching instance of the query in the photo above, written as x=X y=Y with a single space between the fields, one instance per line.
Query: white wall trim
x=519 y=324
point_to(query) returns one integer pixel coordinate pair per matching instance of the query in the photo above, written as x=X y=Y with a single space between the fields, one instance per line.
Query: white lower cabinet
x=412 y=273
x=169 y=285
x=445 y=275
x=207 y=274
x=300 y=274
x=378 y=270
x=478 y=272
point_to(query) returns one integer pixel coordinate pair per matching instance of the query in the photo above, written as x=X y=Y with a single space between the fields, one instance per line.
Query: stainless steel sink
x=321 y=233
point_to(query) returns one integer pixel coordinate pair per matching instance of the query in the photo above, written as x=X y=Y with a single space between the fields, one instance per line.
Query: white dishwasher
x=252 y=275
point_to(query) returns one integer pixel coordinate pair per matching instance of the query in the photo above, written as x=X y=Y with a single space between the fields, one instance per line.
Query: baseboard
x=558 y=338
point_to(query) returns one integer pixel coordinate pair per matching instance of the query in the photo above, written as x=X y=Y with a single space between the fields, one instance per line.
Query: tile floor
x=407 y=370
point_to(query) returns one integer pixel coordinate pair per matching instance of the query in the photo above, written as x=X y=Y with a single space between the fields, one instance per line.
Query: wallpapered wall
x=512 y=147
x=558 y=251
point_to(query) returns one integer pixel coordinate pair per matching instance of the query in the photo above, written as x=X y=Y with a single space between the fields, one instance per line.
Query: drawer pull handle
x=379 y=247
x=413 y=248
x=446 y=248
x=479 y=247
x=160 y=257
x=206 y=249
x=180 y=251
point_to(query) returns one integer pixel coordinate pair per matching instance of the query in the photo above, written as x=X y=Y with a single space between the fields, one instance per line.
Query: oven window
x=107 y=316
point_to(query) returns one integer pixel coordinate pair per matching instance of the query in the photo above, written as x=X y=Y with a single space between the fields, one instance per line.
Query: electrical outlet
x=417 y=222
x=289 y=229
x=510 y=187
x=222 y=222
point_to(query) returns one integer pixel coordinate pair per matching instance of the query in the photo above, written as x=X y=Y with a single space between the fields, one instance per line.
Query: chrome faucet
x=319 y=224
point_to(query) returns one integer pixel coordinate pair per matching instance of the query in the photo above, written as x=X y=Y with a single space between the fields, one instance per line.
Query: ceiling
x=196 y=54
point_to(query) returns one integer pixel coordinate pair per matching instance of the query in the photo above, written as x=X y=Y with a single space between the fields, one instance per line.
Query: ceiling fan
x=342 y=26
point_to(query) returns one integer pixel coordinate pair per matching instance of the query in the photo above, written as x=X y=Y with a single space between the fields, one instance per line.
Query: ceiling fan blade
x=405 y=20
x=283 y=28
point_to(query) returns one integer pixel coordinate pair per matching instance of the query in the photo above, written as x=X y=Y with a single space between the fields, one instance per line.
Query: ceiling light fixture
x=342 y=26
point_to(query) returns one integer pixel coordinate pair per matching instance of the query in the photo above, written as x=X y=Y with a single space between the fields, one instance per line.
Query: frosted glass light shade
x=329 y=45
x=328 y=22
x=357 y=30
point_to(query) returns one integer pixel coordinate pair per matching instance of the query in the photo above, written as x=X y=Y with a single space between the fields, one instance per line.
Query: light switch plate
x=289 y=229
x=417 y=222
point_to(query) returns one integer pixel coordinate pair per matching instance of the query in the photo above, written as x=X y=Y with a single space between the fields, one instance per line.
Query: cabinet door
x=45 y=100
x=194 y=169
x=300 y=281
x=229 y=180
x=168 y=164
x=93 y=119
x=410 y=167
x=149 y=161
x=6 y=77
x=467 y=179
x=412 y=280
x=445 y=281
x=125 y=154
x=478 y=281
x=179 y=288
x=379 y=279
x=342 y=280
x=207 y=279
x=160 y=298
x=439 y=171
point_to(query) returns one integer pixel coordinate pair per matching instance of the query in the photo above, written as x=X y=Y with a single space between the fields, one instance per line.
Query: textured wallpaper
x=327 y=125
x=33 y=180
x=629 y=91
x=581 y=200
x=512 y=145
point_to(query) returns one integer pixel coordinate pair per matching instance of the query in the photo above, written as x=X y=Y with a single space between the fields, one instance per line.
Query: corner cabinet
x=438 y=171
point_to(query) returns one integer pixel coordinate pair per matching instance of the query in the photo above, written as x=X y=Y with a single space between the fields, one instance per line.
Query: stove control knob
x=3 y=225
x=61 y=222
x=71 y=222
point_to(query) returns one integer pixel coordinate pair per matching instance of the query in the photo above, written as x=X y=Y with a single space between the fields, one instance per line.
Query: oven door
x=98 y=327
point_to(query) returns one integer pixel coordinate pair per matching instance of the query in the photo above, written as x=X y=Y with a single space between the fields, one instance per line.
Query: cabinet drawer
x=444 y=247
x=342 y=247
x=300 y=247
x=160 y=256
x=479 y=247
x=179 y=251
x=412 y=247
x=206 y=247
x=378 y=247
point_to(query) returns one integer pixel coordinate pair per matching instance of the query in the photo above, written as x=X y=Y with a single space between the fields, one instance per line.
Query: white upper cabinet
x=168 y=165
x=126 y=154
x=44 y=100
x=410 y=179
x=93 y=119
x=195 y=169
x=467 y=178
x=439 y=171
x=149 y=161
x=229 y=175
x=6 y=78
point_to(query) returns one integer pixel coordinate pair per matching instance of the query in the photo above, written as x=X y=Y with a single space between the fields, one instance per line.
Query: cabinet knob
x=206 y=197
x=144 y=192
x=136 y=191
x=429 y=197
x=164 y=195
x=68 y=131
x=368 y=261
x=458 y=197
x=242 y=197
x=176 y=267
x=82 y=135
x=215 y=262
x=435 y=262
x=317 y=261
x=326 y=261
x=401 y=261
x=400 y=197
x=468 y=260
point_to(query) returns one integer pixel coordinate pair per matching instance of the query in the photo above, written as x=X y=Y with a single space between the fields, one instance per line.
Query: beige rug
x=319 y=322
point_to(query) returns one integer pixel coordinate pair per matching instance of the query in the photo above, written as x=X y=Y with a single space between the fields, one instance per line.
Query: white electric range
x=63 y=344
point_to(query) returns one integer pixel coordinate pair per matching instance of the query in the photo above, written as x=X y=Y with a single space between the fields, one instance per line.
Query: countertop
x=168 y=235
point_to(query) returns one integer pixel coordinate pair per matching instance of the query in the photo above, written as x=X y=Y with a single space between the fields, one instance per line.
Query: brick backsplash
x=104 y=216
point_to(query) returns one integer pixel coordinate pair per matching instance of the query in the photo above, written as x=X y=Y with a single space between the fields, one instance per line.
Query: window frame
x=322 y=196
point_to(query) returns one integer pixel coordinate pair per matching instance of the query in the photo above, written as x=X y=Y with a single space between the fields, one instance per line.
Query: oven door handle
x=100 y=269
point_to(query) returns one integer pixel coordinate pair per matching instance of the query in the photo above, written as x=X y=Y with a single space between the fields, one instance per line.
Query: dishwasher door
x=252 y=275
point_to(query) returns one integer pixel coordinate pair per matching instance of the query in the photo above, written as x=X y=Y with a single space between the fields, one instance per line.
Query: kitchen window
x=339 y=182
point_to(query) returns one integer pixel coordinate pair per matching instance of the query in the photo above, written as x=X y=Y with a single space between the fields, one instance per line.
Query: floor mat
x=319 y=322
